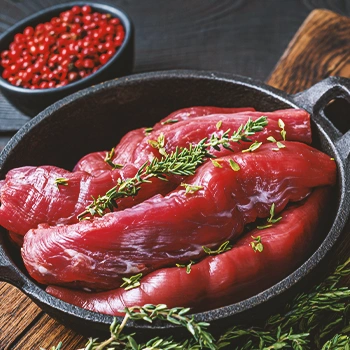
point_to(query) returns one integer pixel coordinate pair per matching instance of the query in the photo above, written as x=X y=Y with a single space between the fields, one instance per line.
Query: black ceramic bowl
x=32 y=102
x=96 y=118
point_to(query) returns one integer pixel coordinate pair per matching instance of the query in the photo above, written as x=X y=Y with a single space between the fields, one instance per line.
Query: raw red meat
x=163 y=231
x=94 y=162
x=192 y=131
x=223 y=279
x=29 y=196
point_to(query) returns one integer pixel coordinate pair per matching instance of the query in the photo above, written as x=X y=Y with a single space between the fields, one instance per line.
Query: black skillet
x=95 y=119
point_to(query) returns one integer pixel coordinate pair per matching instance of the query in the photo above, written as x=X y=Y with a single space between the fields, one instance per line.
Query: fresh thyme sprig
x=170 y=121
x=190 y=189
x=256 y=244
x=318 y=319
x=149 y=313
x=61 y=181
x=283 y=132
x=224 y=247
x=183 y=162
x=131 y=282
x=147 y=131
x=188 y=266
x=271 y=220
x=108 y=159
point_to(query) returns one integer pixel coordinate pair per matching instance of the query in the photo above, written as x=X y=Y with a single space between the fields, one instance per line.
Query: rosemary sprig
x=300 y=326
x=183 y=162
x=224 y=247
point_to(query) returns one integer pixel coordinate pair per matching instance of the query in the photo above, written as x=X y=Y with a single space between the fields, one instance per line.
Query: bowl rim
x=39 y=295
x=54 y=11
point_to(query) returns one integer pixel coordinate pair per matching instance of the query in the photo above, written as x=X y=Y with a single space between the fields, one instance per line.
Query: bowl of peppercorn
x=61 y=50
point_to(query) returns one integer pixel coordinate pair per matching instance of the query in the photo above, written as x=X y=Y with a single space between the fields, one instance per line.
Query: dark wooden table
x=245 y=37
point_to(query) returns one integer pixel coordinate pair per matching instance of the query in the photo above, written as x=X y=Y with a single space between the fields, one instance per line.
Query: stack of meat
x=165 y=227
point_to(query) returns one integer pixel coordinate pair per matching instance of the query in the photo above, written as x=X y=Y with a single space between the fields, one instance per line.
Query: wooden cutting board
x=319 y=49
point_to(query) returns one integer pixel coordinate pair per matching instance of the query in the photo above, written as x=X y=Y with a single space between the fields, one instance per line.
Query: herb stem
x=183 y=162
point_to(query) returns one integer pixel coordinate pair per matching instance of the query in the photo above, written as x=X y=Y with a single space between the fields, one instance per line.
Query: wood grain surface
x=25 y=326
x=320 y=48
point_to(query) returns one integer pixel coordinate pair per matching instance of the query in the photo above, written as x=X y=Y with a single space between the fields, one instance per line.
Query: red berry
x=76 y=10
x=72 y=76
x=86 y=9
x=104 y=58
x=35 y=79
x=6 y=74
x=44 y=85
x=114 y=21
x=88 y=63
x=29 y=31
x=68 y=47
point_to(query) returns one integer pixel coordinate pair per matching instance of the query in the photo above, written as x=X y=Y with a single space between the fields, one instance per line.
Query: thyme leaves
x=283 y=131
x=109 y=159
x=183 y=162
x=256 y=244
x=170 y=121
x=61 y=181
x=317 y=319
x=188 y=266
x=190 y=189
x=224 y=247
x=131 y=282
x=147 y=131
x=271 y=220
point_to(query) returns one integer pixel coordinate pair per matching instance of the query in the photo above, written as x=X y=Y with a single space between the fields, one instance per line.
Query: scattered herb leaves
x=61 y=181
x=224 y=247
x=256 y=244
x=131 y=282
x=190 y=189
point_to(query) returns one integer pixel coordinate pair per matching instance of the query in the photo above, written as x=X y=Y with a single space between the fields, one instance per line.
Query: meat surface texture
x=94 y=162
x=163 y=231
x=29 y=196
x=223 y=279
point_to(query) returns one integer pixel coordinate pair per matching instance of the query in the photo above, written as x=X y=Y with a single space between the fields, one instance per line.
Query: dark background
x=245 y=37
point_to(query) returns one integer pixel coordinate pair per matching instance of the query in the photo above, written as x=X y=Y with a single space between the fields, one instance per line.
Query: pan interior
x=96 y=120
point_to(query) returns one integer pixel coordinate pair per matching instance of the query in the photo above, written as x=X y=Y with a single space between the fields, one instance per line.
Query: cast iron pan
x=96 y=118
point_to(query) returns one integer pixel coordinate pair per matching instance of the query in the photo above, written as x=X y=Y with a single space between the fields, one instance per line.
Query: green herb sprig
x=188 y=266
x=271 y=220
x=256 y=244
x=170 y=121
x=190 y=189
x=131 y=282
x=61 y=181
x=108 y=159
x=183 y=162
x=318 y=319
x=224 y=247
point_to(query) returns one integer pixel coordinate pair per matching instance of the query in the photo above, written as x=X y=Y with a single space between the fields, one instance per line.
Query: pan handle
x=8 y=272
x=316 y=98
